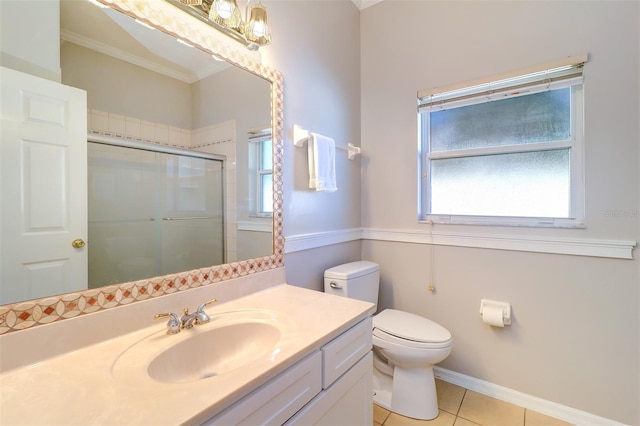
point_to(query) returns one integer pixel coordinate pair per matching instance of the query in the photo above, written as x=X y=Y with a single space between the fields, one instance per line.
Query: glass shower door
x=151 y=214
x=191 y=212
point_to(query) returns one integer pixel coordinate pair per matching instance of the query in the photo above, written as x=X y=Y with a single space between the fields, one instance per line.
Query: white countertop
x=80 y=387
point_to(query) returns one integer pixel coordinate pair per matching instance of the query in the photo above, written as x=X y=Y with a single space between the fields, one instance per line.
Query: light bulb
x=224 y=9
x=259 y=29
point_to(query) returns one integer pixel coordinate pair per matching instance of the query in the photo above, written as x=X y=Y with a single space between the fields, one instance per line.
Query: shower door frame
x=165 y=149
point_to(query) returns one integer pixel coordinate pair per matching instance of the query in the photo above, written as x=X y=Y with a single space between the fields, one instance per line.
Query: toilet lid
x=408 y=326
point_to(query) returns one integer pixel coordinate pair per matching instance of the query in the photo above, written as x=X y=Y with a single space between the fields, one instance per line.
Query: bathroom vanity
x=281 y=355
x=333 y=385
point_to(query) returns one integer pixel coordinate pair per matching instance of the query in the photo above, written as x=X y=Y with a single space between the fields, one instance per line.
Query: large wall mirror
x=184 y=158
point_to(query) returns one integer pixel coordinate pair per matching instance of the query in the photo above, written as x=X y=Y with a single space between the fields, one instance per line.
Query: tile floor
x=461 y=407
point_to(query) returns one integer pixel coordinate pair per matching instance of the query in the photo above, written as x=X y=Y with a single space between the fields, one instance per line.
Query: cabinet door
x=348 y=401
x=276 y=401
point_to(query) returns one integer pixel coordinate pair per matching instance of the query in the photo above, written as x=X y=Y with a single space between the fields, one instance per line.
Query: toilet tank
x=356 y=280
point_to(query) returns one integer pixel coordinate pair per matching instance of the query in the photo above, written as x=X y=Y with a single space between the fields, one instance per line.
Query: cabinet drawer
x=349 y=401
x=344 y=351
x=278 y=400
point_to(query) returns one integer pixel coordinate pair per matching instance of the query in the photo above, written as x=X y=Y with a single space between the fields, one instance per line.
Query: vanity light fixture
x=225 y=15
x=257 y=29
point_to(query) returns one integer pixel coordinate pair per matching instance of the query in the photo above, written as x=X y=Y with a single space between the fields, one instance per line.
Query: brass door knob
x=78 y=243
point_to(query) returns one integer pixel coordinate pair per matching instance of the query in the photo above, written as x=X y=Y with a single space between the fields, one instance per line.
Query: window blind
x=550 y=76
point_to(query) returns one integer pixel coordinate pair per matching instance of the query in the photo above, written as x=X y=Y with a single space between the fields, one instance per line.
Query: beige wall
x=120 y=87
x=306 y=268
x=31 y=48
x=575 y=337
x=234 y=94
x=316 y=47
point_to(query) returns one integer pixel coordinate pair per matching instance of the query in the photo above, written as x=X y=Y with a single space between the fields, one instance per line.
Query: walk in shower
x=152 y=211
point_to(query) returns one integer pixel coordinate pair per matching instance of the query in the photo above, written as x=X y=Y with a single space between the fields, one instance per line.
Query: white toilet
x=406 y=346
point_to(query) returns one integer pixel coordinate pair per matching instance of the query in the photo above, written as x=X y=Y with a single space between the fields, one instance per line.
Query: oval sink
x=213 y=352
x=231 y=340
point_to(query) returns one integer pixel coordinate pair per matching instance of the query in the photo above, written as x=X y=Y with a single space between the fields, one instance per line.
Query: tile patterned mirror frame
x=164 y=17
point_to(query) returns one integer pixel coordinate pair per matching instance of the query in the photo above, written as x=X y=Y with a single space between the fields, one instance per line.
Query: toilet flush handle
x=334 y=284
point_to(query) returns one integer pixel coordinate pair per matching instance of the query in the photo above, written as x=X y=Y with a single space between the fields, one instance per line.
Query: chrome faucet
x=173 y=325
x=199 y=317
x=187 y=320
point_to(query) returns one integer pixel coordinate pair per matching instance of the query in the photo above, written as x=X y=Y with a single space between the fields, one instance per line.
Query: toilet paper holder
x=492 y=305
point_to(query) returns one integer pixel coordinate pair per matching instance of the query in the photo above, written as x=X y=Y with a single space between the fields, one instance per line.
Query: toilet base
x=382 y=386
x=410 y=392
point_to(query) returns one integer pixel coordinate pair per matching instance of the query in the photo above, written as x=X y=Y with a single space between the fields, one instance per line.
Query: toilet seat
x=390 y=338
x=409 y=330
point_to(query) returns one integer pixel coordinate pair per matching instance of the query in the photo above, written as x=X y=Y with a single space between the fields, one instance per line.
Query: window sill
x=256 y=225
x=505 y=221
x=260 y=216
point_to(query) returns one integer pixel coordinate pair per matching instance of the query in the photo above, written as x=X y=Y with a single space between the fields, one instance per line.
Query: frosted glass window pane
x=121 y=183
x=190 y=244
x=534 y=184
x=191 y=185
x=539 y=117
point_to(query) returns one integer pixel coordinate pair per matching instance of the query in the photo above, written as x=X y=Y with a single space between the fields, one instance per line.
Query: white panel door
x=43 y=187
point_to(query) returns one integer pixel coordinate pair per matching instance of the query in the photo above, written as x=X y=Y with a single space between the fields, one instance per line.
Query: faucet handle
x=201 y=315
x=173 y=325
x=205 y=304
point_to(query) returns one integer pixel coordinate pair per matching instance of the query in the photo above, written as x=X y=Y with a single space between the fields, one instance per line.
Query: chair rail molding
x=615 y=249
x=320 y=239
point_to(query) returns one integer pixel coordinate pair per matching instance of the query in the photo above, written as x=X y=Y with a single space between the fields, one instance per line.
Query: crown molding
x=363 y=4
x=114 y=52
x=103 y=48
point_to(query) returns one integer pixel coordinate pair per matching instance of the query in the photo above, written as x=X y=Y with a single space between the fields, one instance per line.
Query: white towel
x=322 y=163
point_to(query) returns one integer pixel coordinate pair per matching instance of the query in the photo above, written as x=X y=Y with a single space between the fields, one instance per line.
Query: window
x=260 y=165
x=504 y=152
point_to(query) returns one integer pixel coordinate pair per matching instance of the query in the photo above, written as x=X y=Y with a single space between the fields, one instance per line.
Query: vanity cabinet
x=348 y=401
x=331 y=386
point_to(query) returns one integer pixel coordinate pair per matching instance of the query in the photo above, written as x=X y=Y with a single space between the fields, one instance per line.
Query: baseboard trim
x=549 y=408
